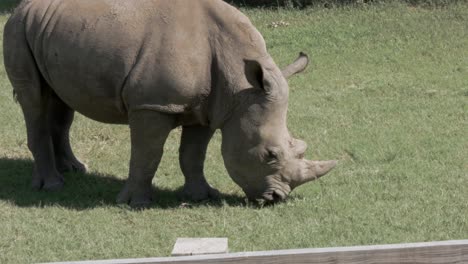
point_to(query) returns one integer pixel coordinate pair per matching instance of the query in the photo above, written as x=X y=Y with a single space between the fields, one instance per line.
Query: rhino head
x=259 y=153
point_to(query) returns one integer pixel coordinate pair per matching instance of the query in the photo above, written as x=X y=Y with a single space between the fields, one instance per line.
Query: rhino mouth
x=273 y=196
x=277 y=190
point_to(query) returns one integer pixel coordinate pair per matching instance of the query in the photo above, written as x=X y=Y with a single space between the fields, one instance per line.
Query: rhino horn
x=297 y=66
x=315 y=170
x=299 y=148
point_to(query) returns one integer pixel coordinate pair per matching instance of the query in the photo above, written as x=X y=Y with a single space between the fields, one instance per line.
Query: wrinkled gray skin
x=156 y=65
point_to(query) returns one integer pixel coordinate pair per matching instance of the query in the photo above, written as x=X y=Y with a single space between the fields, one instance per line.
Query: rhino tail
x=15 y=96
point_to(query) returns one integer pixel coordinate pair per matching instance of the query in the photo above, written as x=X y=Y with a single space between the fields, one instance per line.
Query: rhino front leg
x=61 y=118
x=192 y=154
x=148 y=132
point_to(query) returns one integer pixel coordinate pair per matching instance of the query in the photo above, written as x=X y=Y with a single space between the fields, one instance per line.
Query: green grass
x=386 y=94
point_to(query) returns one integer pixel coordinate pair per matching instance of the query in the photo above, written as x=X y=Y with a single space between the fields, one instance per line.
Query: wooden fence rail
x=454 y=251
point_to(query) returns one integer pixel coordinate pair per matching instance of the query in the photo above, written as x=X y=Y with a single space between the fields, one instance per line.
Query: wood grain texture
x=447 y=252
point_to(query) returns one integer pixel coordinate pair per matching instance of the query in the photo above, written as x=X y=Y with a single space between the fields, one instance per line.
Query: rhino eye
x=271 y=156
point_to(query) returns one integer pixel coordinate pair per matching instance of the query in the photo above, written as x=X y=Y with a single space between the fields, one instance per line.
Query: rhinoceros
x=156 y=65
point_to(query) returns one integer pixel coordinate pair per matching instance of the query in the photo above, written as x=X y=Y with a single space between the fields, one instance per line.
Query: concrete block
x=200 y=246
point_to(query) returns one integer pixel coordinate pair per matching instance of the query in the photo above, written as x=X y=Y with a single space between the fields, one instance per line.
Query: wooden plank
x=191 y=246
x=447 y=252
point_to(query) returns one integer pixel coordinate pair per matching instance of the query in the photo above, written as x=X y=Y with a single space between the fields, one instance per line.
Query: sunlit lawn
x=386 y=94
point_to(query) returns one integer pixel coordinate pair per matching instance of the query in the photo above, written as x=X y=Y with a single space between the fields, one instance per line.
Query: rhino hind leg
x=60 y=120
x=148 y=133
x=192 y=154
x=32 y=94
x=45 y=174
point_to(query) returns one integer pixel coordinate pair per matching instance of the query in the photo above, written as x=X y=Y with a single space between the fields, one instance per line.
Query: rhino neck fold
x=233 y=39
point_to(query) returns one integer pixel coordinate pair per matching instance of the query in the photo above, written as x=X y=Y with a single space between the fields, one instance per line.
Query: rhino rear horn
x=297 y=66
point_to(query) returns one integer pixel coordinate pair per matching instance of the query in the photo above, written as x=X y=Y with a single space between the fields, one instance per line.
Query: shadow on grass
x=81 y=190
x=7 y=6
x=297 y=3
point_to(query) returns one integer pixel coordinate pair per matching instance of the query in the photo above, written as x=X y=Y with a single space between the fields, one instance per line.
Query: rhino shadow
x=293 y=3
x=6 y=6
x=83 y=190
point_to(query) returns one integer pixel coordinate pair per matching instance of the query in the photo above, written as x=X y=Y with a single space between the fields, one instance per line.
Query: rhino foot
x=199 y=191
x=53 y=182
x=135 y=197
x=71 y=166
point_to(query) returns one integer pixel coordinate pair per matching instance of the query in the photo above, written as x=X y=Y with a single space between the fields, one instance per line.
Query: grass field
x=386 y=94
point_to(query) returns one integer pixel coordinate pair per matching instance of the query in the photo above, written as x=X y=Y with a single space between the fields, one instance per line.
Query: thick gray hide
x=156 y=65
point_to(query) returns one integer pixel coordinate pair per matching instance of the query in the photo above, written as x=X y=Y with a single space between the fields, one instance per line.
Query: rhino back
x=106 y=57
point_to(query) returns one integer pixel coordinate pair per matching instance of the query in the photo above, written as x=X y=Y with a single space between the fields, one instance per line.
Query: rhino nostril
x=268 y=196
x=276 y=196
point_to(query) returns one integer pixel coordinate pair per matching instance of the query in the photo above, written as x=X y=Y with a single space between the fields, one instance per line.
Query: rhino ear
x=257 y=76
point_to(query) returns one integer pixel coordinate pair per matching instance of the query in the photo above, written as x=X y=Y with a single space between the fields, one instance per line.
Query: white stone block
x=200 y=246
